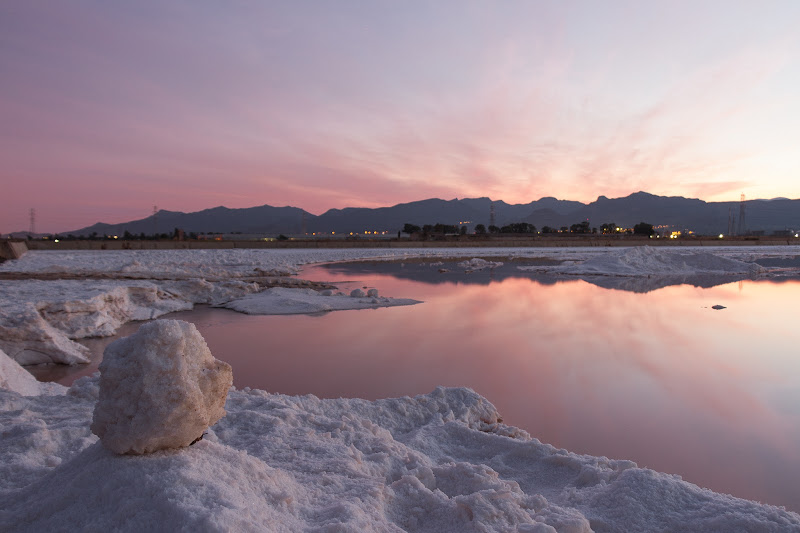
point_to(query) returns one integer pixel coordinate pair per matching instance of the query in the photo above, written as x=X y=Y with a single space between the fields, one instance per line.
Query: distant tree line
x=435 y=229
x=580 y=228
x=480 y=229
x=126 y=236
x=516 y=227
x=425 y=231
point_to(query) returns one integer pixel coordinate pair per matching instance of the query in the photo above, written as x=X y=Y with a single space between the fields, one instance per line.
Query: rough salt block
x=160 y=388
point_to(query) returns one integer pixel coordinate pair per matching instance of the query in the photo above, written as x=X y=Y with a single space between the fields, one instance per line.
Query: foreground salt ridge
x=39 y=320
x=439 y=462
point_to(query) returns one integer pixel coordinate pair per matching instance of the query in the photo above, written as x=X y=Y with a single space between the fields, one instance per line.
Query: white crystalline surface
x=160 y=388
x=15 y=378
x=210 y=264
x=283 y=301
x=649 y=261
x=441 y=462
x=207 y=264
x=40 y=319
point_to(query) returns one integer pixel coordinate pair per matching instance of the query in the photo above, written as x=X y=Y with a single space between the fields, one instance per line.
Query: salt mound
x=160 y=388
x=476 y=263
x=645 y=260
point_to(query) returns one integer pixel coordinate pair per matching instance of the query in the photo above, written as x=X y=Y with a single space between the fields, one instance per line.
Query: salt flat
x=444 y=461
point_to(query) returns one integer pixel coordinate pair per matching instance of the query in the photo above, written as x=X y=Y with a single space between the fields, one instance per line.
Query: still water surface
x=656 y=377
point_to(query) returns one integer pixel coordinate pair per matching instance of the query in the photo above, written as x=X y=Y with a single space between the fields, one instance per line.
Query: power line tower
x=303 y=229
x=491 y=214
x=730 y=221
x=742 y=226
x=32 y=228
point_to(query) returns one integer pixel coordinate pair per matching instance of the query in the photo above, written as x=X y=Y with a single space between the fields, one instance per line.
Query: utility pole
x=32 y=228
x=491 y=214
x=155 y=221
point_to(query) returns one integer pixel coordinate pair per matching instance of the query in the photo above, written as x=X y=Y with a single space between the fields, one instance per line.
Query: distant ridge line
x=701 y=217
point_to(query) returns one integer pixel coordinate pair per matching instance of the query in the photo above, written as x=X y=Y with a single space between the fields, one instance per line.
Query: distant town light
x=721 y=235
x=57 y=239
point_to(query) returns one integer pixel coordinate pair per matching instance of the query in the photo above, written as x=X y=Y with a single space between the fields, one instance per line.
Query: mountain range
x=706 y=218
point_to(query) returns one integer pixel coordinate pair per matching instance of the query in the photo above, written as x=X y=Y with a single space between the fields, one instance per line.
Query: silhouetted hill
x=630 y=210
x=707 y=218
x=432 y=211
x=262 y=219
x=359 y=219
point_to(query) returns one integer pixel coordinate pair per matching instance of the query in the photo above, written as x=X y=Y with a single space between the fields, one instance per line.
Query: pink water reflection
x=659 y=378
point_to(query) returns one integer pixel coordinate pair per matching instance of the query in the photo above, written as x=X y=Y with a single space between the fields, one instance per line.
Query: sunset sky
x=110 y=108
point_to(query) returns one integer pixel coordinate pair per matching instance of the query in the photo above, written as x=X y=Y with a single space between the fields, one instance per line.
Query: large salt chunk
x=16 y=378
x=159 y=388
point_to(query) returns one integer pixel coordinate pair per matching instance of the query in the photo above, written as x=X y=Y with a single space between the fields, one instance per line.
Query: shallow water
x=659 y=377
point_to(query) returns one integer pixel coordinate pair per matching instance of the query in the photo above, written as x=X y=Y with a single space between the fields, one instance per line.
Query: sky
x=108 y=109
